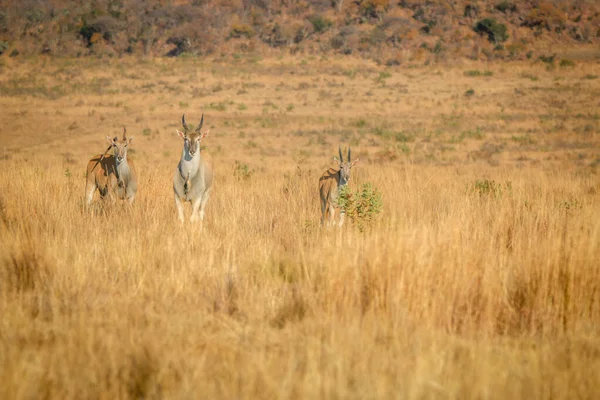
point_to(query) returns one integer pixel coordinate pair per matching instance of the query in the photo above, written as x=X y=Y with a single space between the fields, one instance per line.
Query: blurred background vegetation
x=389 y=32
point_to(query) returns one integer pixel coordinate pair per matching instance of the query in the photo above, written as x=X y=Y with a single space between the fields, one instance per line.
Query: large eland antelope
x=112 y=173
x=194 y=174
x=329 y=185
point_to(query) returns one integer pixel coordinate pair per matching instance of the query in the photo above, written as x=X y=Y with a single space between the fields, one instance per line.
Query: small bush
x=375 y=37
x=478 y=73
x=241 y=171
x=277 y=35
x=471 y=10
x=220 y=106
x=104 y=27
x=374 y=8
x=320 y=23
x=403 y=137
x=569 y=206
x=490 y=188
x=360 y=123
x=523 y=140
x=472 y=134
x=529 y=76
x=382 y=77
x=547 y=59
x=361 y=206
x=470 y=92
x=506 y=6
x=495 y=31
x=182 y=45
x=241 y=30
x=337 y=42
x=566 y=63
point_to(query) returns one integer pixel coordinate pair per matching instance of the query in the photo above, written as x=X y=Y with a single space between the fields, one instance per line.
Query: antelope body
x=330 y=183
x=193 y=177
x=112 y=174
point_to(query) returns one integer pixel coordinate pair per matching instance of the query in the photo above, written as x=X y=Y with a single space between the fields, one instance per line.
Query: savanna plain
x=480 y=278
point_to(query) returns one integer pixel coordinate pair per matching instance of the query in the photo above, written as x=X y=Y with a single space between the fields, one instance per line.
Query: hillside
x=389 y=32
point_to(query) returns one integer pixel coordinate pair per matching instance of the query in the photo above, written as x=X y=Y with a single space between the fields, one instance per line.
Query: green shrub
x=403 y=137
x=360 y=123
x=374 y=8
x=529 y=76
x=495 y=31
x=523 y=140
x=476 y=72
x=506 y=6
x=241 y=171
x=220 y=106
x=320 y=24
x=490 y=188
x=547 y=59
x=382 y=77
x=362 y=206
x=566 y=63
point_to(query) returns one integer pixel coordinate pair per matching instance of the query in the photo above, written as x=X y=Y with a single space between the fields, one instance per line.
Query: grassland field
x=480 y=278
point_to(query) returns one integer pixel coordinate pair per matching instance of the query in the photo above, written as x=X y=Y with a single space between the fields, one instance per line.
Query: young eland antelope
x=329 y=185
x=194 y=174
x=112 y=173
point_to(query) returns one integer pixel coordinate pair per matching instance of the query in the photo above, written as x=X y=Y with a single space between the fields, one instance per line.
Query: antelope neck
x=122 y=169
x=341 y=180
x=188 y=165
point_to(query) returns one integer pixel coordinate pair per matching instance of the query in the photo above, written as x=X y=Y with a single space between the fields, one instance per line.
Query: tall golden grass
x=462 y=288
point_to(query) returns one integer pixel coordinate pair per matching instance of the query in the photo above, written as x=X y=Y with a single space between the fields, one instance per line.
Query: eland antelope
x=193 y=177
x=330 y=183
x=112 y=173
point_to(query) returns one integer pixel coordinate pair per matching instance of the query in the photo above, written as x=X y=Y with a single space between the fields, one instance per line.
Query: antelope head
x=344 y=166
x=120 y=146
x=192 y=139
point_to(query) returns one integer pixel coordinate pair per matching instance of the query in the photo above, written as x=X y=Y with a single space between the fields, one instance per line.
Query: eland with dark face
x=193 y=177
x=329 y=185
x=112 y=174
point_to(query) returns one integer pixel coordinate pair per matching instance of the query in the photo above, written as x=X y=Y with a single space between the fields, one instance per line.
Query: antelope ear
x=130 y=139
x=337 y=161
x=205 y=134
x=181 y=134
x=353 y=163
x=110 y=140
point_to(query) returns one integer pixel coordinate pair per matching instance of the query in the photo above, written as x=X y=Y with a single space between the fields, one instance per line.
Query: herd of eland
x=114 y=175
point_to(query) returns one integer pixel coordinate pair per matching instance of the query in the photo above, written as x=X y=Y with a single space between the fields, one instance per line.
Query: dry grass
x=462 y=289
